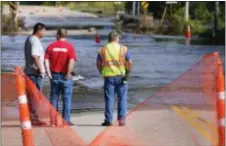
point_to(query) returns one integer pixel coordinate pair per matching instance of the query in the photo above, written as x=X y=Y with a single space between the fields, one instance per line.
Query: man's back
x=113 y=48
x=59 y=53
x=112 y=63
x=59 y=61
x=113 y=56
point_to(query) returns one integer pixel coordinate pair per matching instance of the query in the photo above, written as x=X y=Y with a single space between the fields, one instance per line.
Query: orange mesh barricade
x=182 y=113
x=43 y=135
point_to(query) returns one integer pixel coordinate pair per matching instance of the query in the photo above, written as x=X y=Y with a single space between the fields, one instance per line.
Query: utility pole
x=186 y=11
x=216 y=22
x=134 y=8
x=171 y=10
x=138 y=8
x=216 y=15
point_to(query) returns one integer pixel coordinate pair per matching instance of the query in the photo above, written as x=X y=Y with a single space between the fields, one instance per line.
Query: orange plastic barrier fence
x=183 y=113
x=187 y=112
x=42 y=135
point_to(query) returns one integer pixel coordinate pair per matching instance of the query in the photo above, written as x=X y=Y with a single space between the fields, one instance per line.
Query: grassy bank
x=201 y=21
x=8 y=26
x=101 y=8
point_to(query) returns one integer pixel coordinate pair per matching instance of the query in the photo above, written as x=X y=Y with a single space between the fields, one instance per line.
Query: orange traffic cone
x=27 y=136
x=220 y=103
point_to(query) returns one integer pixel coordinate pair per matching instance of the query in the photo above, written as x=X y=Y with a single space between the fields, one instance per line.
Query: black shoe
x=106 y=124
x=68 y=124
x=71 y=124
x=37 y=122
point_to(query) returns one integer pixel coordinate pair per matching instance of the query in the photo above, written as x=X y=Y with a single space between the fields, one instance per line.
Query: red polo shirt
x=59 y=53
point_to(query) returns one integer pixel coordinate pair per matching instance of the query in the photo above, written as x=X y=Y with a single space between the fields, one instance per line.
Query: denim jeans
x=38 y=82
x=114 y=85
x=60 y=85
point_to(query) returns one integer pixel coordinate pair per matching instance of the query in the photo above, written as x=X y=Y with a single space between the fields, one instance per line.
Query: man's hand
x=49 y=75
x=68 y=76
x=47 y=66
x=42 y=74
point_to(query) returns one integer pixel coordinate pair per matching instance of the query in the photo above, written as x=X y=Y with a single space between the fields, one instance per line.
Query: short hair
x=113 y=35
x=38 y=26
x=61 y=32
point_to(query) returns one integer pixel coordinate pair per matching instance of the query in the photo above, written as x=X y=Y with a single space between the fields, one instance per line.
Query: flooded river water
x=155 y=63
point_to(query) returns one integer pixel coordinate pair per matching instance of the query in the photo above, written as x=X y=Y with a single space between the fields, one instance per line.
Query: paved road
x=163 y=127
x=45 y=11
x=159 y=125
x=53 y=17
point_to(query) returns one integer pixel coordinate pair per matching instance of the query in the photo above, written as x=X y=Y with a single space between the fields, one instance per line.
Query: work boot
x=38 y=122
x=105 y=123
x=71 y=124
x=68 y=124
x=122 y=123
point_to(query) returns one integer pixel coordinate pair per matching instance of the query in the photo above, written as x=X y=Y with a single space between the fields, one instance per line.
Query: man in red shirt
x=60 y=58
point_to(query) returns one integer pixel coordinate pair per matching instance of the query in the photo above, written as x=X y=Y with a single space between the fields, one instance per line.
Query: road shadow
x=91 y=125
x=10 y=126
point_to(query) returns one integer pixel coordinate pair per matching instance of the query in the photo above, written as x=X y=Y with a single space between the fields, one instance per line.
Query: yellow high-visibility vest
x=109 y=67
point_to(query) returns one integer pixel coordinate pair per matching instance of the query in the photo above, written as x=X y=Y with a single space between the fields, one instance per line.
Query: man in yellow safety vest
x=114 y=64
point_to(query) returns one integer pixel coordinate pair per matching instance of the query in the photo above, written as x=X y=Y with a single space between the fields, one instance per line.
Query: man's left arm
x=129 y=61
x=98 y=63
x=72 y=62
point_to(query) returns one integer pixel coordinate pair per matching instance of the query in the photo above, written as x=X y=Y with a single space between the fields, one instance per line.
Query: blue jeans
x=60 y=85
x=38 y=82
x=114 y=85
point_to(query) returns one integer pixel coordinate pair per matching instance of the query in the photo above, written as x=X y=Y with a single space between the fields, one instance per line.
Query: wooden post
x=216 y=16
x=138 y=8
x=163 y=16
x=186 y=11
x=13 y=9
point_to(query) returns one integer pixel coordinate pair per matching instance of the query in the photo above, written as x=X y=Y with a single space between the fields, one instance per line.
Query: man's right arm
x=35 y=52
x=47 y=62
x=47 y=66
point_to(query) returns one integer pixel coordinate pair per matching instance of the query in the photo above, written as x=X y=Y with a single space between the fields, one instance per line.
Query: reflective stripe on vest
x=109 y=68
